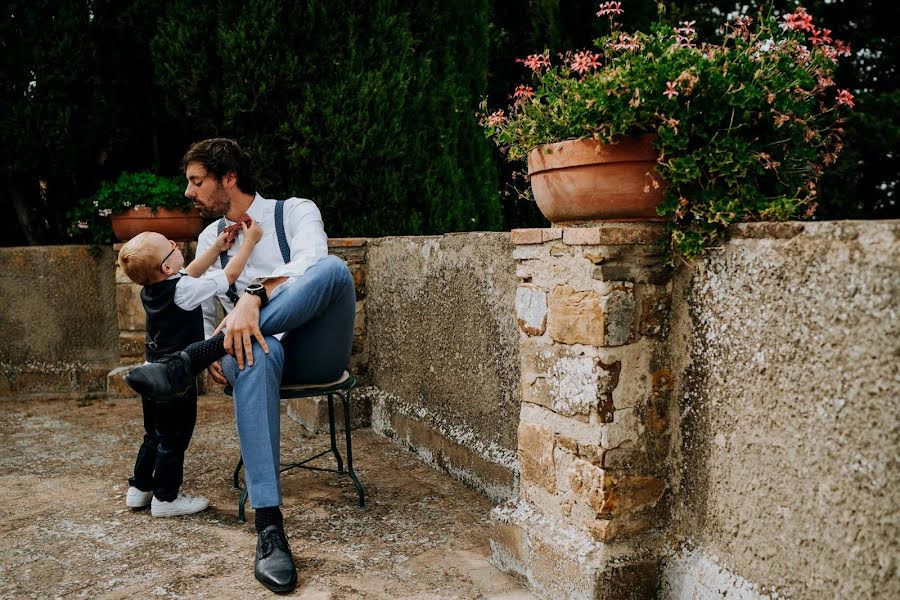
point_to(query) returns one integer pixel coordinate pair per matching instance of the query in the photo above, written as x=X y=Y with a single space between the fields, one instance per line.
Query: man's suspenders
x=282 y=245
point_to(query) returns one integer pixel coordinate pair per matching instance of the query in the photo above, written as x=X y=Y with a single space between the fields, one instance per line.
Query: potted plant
x=133 y=203
x=699 y=134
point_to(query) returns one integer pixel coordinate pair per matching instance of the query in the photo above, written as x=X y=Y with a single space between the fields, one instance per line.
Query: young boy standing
x=171 y=297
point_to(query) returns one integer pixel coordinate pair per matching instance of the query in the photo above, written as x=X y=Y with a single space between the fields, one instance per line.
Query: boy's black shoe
x=274 y=564
x=170 y=376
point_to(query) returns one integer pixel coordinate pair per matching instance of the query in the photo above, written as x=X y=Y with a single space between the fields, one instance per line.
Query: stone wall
x=58 y=321
x=787 y=342
x=443 y=357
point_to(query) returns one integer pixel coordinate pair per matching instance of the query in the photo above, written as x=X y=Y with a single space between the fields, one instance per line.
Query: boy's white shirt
x=191 y=292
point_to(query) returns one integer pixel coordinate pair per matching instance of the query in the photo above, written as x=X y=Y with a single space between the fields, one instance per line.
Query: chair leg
x=235 y=480
x=331 y=430
x=345 y=397
x=242 y=517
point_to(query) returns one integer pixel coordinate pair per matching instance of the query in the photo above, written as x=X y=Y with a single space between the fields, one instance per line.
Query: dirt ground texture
x=65 y=531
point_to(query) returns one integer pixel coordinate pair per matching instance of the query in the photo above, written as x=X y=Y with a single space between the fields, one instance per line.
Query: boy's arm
x=239 y=260
x=204 y=261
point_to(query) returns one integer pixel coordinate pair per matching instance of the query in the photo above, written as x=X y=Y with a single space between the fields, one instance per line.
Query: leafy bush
x=744 y=128
x=89 y=220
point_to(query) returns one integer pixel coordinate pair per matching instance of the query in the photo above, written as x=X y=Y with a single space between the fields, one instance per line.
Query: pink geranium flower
x=585 y=61
x=535 y=62
x=845 y=97
x=670 y=90
x=610 y=8
x=523 y=92
x=799 y=20
x=496 y=118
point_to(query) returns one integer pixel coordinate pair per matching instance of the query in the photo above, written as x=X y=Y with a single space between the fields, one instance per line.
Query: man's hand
x=241 y=326
x=216 y=373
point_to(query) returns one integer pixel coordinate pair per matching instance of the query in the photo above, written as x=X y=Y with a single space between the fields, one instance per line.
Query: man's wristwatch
x=258 y=289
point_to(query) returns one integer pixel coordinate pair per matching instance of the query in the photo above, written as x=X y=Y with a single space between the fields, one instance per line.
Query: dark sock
x=207 y=352
x=268 y=516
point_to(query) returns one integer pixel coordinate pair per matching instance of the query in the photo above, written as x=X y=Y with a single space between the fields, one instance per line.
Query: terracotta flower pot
x=587 y=180
x=174 y=224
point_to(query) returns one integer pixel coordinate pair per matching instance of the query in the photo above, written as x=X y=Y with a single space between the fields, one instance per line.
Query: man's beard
x=219 y=204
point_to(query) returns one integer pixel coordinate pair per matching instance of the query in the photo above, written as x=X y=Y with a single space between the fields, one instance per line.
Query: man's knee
x=260 y=358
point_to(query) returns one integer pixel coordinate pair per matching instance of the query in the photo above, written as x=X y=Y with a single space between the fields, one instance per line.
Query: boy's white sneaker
x=135 y=498
x=183 y=504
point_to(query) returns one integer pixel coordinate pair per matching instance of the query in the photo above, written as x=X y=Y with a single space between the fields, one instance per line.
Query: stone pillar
x=591 y=308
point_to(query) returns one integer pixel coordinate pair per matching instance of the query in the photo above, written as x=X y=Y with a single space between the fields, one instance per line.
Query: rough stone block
x=359 y=323
x=131 y=344
x=561 y=561
x=557 y=250
x=630 y=233
x=463 y=463
x=312 y=413
x=594 y=454
x=581 y=236
x=551 y=233
x=531 y=309
x=575 y=317
x=607 y=530
x=347 y=242
x=525 y=270
x=624 y=458
x=618 y=317
x=566 y=443
x=568 y=381
x=629 y=493
x=586 y=482
x=536 y=463
x=654 y=312
x=529 y=252
x=637 y=580
x=526 y=236
x=625 y=429
x=507 y=543
x=656 y=274
x=121 y=277
x=613 y=495
x=358 y=272
x=129 y=310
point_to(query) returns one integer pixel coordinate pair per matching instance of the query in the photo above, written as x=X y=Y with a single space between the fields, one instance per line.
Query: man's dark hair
x=221 y=156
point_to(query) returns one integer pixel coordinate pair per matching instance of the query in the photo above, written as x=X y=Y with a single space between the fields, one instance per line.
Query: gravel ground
x=65 y=531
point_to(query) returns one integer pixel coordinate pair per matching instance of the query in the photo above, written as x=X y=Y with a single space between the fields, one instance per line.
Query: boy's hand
x=252 y=232
x=222 y=244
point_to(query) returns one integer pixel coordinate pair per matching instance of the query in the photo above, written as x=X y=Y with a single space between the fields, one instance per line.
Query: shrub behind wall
x=365 y=107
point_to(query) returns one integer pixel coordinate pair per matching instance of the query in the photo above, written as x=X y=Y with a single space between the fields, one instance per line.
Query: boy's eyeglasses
x=174 y=248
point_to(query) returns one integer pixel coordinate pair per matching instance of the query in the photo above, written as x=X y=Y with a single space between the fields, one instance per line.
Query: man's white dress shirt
x=306 y=238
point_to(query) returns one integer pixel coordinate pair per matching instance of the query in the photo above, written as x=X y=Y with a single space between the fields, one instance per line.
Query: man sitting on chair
x=290 y=285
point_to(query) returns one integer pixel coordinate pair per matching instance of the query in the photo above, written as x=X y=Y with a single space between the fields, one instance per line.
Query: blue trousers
x=317 y=311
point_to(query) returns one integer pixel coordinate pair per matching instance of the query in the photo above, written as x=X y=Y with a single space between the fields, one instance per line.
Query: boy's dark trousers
x=168 y=427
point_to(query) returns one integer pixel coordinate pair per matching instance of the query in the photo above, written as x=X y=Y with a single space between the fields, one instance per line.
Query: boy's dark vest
x=169 y=328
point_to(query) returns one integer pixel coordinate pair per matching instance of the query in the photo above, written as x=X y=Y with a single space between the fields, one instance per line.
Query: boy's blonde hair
x=138 y=259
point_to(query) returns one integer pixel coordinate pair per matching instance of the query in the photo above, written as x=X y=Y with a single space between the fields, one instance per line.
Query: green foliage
x=89 y=220
x=364 y=107
x=744 y=127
